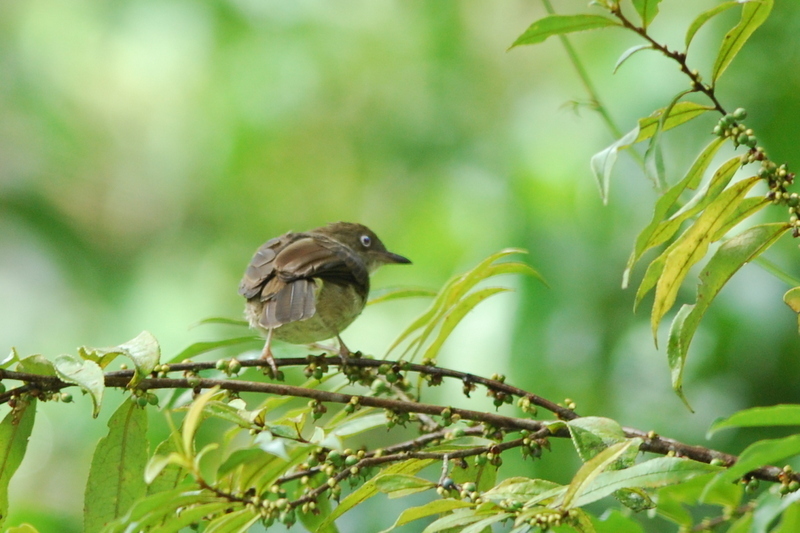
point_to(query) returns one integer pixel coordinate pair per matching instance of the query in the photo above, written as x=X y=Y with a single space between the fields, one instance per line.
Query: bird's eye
x=365 y=241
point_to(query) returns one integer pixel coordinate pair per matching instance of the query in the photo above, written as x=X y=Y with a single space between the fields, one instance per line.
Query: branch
x=38 y=385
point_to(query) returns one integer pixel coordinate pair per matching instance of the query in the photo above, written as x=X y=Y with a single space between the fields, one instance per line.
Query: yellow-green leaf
x=591 y=469
x=434 y=507
x=680 y=113
x=370 y=489
x=753 y=15
x=691 y=247
x=655 y=473
x=454 y=316
x=792 y=299
x=727 y=260
x=668 y=201
x=398 y=293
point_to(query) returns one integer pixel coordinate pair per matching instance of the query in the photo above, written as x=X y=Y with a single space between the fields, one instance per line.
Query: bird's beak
x=389 y=257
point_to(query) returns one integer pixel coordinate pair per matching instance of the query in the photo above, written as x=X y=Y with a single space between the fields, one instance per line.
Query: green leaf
x=431 y=508
x=169 y=475
x=680 y=113
x=143 y=350
x=655 y=473
x=116 y=477
x=654 y=156
x=743 y=524
x=727 y=260
x=464 y=517
x=359 y=425
x=314 y=518
x=705 y=16
x=453 y=291
x=11 y=358
x=485 y=525
x=156 y=509
x=758 y=454
x=637 y=500
x=484 y=476
x=15 y=430
x=37 y=364
x=628 y=53
x=196 y=514
x=668 y=200
x=145 y=353
x=456 y=314
x=86 y=374
x=790 y=520
x=399 y=485
x=222 y=320
x=691 y=247
x=613 y=521
x=560 y=25
x=602 y=163
x=792 y=299
x=234 y=522
x=203 y=347
x=370 y=489
x=753 y=15
x=647 y=9
x=593 y=434
x=591 y=469
x=520 y=488
x=398 y=293
x=22 y=528
x=774 y=415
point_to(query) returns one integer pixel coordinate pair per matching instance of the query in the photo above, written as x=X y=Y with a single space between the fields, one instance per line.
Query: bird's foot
x=272 y=370
x=344 y=352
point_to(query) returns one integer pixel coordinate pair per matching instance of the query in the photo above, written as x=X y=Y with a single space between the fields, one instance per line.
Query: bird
x=306 y=287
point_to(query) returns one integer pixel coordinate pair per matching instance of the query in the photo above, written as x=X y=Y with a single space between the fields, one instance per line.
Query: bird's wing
x=321 y=257
x=262 y=266
x=283 y=275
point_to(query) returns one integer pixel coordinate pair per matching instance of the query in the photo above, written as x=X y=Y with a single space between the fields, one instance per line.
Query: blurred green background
x=148 y=148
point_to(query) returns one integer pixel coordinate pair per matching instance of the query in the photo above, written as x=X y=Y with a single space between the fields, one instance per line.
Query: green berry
x=740 y=114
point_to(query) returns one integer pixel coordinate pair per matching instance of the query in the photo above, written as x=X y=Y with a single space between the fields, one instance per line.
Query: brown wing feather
x=262 y=266
x=318 y=256
x=295 y=301
x=282 y=275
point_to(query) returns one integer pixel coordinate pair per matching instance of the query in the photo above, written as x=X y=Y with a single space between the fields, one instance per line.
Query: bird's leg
x=344 y=351
x=266 y=354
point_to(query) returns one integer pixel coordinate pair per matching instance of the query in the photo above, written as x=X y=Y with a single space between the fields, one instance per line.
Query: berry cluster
x=730 y=126
x=778 y=177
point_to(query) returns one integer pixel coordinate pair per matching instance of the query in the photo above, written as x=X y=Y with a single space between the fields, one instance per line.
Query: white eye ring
x=365 y=241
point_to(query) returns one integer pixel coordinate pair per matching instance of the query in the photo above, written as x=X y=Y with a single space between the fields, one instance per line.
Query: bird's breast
x=337 y=305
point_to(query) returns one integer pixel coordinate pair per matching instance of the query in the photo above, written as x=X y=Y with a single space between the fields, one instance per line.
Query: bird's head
x=363 y=242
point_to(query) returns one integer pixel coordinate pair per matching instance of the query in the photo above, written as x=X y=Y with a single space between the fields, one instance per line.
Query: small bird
x=307 y=287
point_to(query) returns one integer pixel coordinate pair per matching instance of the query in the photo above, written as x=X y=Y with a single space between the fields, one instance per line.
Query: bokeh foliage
x=146 y=149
